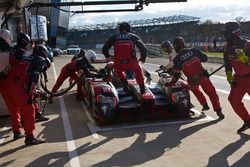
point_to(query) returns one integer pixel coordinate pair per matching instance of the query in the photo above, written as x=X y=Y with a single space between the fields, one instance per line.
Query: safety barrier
x=154 y=50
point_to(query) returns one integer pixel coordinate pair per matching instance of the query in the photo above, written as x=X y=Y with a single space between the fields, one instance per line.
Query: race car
x=109 y=103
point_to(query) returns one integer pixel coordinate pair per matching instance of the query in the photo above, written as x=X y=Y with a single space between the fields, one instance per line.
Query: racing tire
x=183 y=110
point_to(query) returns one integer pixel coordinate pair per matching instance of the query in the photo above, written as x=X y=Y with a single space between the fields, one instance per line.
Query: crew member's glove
x=162 y=67
x=205 y=73
x=241 y=55
x=101 y=73
x=229 y=77
x=171 y=83
x=80 y=72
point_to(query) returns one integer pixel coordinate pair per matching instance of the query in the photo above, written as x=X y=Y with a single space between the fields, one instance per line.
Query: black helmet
x=231 y=31
x=82 y=53
x=23 y=40
x=178 y=44
x=167 y=46
x=40 y=50
x=124 y=26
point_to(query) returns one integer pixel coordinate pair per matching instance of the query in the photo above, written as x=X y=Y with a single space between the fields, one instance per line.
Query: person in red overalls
x=74 y=58
x=70 y=69
x=19 y=51
x=168 y=49
x=23 y=79
x=236 y=57
x=125 y=59
x=5 y=42
x=189 y=61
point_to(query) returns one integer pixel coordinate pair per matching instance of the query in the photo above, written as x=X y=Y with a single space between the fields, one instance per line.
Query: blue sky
x=215 y=10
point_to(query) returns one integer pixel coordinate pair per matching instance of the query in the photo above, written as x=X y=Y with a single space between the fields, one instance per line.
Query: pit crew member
x=236 y=58
x=24 y=77
x=189 y=61
x=125 y=59
x=70 y=69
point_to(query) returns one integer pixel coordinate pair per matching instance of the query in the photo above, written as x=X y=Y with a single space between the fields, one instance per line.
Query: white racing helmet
x=5 y=35
x=90 y=55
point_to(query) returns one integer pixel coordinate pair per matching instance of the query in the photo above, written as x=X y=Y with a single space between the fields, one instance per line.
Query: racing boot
x=142 y=89
x=244 y=127
x=125 y=86
x=31 y=140
x=17 y=135
x=205 y=107
x=220 y=114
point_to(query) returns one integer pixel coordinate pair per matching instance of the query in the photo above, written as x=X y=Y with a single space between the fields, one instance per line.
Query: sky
x=214 y=10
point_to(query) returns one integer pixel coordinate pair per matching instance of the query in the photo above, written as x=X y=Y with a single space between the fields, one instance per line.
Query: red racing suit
x=69 y=70
x=23 y=77
x=125 y=54
x=4 y=91
x=241 y=78
x=189 y=61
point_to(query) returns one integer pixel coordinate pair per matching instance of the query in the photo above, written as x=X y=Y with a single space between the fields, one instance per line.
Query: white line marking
x=93 y=128
x=74 y=160
x=54 y=71
x=208 y=118
x=217 y=76
x=3 y=137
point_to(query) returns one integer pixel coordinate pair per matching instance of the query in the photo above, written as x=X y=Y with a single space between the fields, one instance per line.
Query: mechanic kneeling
x=82 y=64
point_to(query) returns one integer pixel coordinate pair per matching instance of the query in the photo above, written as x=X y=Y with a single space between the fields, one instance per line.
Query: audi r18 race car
x=108 y=102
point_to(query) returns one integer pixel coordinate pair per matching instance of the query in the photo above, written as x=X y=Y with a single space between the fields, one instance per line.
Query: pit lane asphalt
x=70 y=142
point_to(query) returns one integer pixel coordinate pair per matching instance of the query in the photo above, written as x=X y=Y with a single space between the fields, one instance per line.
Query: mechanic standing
x=236 y=57
x=70 y=69
x=168 y=48
x=19 y=51
x=24 y=77
x=189 y=61
x=125 y=59
x=5 y=42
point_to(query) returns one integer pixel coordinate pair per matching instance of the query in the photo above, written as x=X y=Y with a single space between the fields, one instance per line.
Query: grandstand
x=151 y=30
x=207 y=35
x=138 y=23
